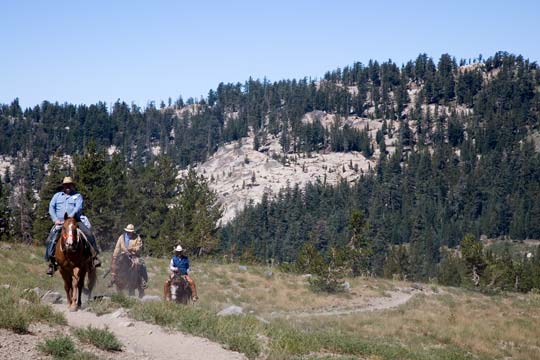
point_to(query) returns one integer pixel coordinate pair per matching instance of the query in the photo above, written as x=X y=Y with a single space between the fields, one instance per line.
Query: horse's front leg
x=67 y=286
x=75 y=289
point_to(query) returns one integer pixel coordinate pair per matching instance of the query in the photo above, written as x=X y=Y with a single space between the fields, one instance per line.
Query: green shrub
x=101 y=338
x=59 y=347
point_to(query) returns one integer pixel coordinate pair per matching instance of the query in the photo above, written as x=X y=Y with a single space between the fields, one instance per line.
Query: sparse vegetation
x=101 y=338
x=450 y=323
x=19 y=310
x=62 y=347
x=59 y=347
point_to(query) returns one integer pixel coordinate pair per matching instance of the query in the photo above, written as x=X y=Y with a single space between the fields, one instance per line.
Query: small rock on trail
x=51 y=297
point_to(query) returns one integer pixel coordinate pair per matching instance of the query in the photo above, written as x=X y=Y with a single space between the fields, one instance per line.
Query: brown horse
x=74 y=263
x=177 y=290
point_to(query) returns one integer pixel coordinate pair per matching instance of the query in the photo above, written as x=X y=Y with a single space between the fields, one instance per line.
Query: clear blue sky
x=87 y=51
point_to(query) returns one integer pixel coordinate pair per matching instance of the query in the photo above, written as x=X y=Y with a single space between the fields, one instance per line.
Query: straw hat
x=178 y=248
x=67 y=180
x=130 y=228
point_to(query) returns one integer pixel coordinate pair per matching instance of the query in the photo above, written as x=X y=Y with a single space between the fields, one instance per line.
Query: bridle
x=69 y=239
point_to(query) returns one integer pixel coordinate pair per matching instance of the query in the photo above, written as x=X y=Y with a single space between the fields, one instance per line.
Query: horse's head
x=69 y=239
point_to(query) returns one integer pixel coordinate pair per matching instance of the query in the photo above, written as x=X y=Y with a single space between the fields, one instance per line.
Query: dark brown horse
x=128 y=274
x=74 y=262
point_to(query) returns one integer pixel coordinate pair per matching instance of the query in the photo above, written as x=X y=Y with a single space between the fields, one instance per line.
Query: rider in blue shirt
x=179 y=265
x=70 y=202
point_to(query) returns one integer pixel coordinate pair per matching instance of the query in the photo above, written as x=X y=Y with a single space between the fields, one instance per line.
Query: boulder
x=24 y=302
x=231 y=310
x=51 y=297
x=242 y=268
x=269 y=274
x=417 y=286
x=36 y=291
x=150 y=298
x=120 y=313
x=5 y=286
x=346 y=286
x=128 y=324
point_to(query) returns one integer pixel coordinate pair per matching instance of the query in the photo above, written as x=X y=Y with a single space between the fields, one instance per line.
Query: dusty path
x=393 y=300
x=146 y=341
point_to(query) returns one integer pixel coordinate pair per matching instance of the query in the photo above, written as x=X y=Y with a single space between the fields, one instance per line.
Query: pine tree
x=192 y=219
x=42 y=223
x=91 y=181
x=5 y=214
x=360 y=244
x=472 y=254
x=22 y=202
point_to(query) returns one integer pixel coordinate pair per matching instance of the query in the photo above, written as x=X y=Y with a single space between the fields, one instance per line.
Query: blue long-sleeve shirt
x=62 y=203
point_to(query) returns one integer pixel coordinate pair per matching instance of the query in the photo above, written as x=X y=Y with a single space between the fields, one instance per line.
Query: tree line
x=165 y=208
x=452 y=174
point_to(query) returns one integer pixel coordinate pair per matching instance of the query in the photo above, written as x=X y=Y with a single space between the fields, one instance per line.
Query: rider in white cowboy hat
x=70 y=202
x=131 y=243
x=180 y=265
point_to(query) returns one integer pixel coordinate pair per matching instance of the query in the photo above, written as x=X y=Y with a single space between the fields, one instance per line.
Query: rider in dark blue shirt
x=180 y=265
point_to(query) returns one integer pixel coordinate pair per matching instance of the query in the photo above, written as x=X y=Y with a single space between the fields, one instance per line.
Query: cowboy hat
x=178 y=248
x=130 y=228
x=67 y=180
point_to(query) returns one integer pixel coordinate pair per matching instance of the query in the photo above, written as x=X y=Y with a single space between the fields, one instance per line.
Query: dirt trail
x=146 y=341
x=393 y=300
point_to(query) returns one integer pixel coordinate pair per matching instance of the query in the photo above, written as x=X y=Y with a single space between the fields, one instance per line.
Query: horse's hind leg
x=92 y=278
x=80 y=287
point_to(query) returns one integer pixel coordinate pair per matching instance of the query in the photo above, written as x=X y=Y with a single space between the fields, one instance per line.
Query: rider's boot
x=97 y=262
x=51 y=268
x=193 y=288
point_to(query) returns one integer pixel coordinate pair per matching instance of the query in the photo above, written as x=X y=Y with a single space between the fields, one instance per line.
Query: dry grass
x=448 y=323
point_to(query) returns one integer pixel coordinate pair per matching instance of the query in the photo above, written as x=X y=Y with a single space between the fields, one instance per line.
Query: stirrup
x=96 y=262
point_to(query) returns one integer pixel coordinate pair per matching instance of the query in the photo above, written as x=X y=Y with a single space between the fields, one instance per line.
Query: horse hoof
x=73 y=309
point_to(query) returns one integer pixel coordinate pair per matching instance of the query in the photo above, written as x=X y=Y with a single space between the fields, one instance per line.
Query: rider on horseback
x=131 y=243
x=180 y=266
x=70 y=202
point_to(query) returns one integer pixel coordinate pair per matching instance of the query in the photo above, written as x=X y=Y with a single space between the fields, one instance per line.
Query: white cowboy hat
x=130 y=228
x=178 y=248
x=67 y=180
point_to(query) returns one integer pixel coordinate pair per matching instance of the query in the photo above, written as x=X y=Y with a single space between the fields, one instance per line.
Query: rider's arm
x=77 y=210
x=118 y=247
x=172 y=267
x=137 y=244
x=52 y=208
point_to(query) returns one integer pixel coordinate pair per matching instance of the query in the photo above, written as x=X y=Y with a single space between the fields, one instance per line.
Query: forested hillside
x=453 y=147
x=452 y=173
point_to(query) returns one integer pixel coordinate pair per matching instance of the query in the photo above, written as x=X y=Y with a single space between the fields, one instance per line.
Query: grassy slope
x=453 y=324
